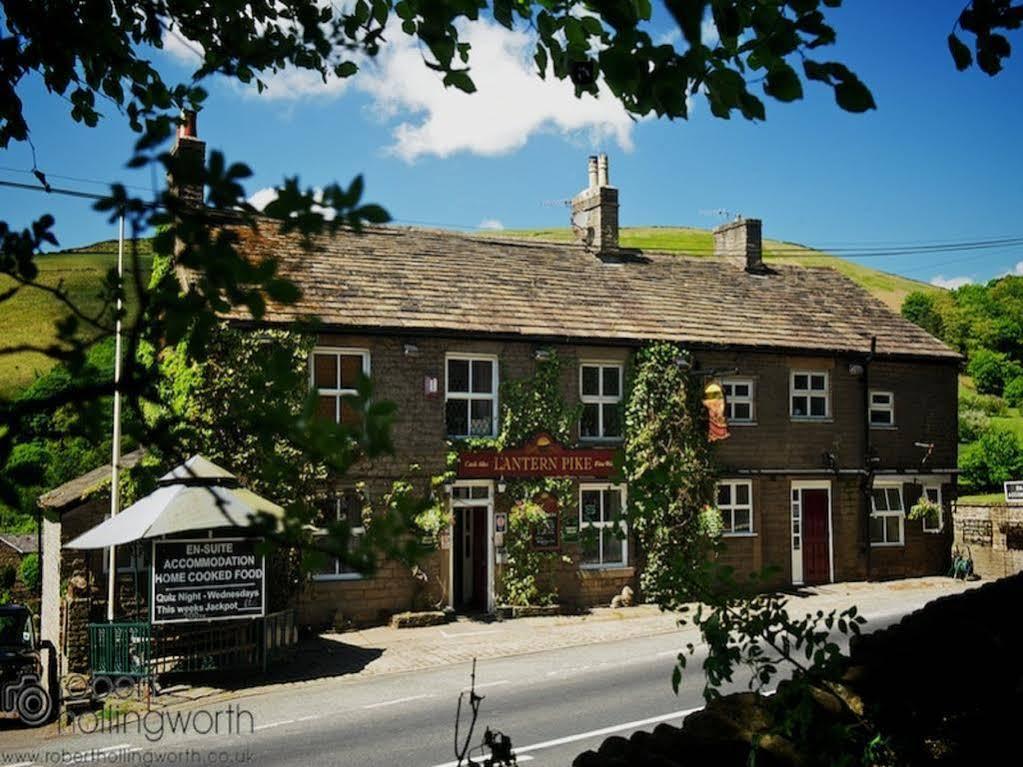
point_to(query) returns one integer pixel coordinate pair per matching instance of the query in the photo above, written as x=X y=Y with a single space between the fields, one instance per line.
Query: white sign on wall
x=1014 y=492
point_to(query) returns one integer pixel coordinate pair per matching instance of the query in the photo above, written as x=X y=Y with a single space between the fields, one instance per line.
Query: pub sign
x=540 y=457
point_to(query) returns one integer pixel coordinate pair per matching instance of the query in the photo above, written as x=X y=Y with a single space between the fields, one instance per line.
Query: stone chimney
x=740 y=239
x=595 y=209
x=184 y=179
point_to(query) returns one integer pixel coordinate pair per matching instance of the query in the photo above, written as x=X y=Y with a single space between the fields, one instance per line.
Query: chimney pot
x=595 y=209
x=188 y=161
x=741 y=239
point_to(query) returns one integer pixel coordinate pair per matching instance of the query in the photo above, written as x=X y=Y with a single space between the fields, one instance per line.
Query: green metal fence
x=141 y=650
x=122 y=649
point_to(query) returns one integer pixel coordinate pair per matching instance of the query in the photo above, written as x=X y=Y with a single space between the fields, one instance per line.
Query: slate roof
x=87 y=485
x=23 y=544
x=421 y=280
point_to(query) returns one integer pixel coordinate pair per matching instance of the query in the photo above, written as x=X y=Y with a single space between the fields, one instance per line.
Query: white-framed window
x=809 y=396
x=345 y=505
x=888 y=516
x=601 y=528
x=882 y=408
x=334 y=374
x=738 y=399
x=600 y=390
x=735 y=502
x=470 y=391
x=130 y=558
x=933 y=494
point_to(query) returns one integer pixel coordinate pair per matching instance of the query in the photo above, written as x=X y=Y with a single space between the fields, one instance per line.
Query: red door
x=479 y=558
x=816 y=549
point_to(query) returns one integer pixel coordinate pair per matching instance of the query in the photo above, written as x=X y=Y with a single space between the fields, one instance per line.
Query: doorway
x=470 y=575
x=812 y=559
x=471 y=549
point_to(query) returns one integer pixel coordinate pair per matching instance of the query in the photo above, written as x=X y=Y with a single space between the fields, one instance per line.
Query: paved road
x=553 y=704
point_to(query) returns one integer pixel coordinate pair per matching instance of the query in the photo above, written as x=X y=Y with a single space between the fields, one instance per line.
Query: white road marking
x=273 y=724
x=398 y=700
x=307 y=718
x=20 y=764
x=667 y=652
x=606 y=730
x=520 y=759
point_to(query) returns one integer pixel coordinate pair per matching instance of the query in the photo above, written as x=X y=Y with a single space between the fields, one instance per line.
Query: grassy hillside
x=890 y=288
x=29 y=317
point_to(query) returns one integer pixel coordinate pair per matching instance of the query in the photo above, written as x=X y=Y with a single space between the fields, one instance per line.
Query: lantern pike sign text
x=541 y=457
x=207 y=580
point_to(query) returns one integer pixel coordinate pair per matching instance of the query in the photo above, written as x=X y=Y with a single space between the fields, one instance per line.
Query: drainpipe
x=868 y=455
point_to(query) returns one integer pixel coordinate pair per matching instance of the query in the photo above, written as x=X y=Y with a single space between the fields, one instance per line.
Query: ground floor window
x=601 y=527
x=888 y=516
x=345 y=505
x=933 y=494
x=735 y=502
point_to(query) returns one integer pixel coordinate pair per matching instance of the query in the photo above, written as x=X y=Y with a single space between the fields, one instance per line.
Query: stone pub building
x=841 y=413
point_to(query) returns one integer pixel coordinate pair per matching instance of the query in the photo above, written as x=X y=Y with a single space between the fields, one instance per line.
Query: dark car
x=22 y=694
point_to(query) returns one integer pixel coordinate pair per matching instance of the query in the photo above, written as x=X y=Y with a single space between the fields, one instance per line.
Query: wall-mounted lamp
x=856 y=369
x=501 y=485
x=411 y=350
x=542 y=355
x=448 y=487
x=684 y=362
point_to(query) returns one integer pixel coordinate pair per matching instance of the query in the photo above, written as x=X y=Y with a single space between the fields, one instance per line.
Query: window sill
x=595 y=571
x=887 y=545
x=592 y=440
x=811 y=419
x=738 y=535
x=339 y=577
x=935 y=532
x=742 y=423
x=883 y=427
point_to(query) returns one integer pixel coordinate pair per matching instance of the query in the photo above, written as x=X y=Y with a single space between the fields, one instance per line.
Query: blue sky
x=938 y=161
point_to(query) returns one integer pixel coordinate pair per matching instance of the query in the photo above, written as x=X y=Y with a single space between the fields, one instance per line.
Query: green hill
x=890 y=288
x=29 y=316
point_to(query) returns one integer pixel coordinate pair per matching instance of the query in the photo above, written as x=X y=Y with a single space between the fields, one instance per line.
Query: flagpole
x=115 y=459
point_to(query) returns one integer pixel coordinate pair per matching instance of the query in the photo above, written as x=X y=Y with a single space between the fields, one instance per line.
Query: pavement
x=558 y=685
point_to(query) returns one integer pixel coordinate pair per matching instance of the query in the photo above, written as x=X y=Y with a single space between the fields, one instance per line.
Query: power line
x=79 y=179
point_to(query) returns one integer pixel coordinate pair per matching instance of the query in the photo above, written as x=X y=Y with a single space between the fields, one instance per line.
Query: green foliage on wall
x=668 y=468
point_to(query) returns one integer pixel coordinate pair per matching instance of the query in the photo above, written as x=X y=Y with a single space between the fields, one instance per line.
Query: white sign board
x=1014 y=492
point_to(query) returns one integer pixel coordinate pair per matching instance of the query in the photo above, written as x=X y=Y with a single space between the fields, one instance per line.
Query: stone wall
x=993 y=536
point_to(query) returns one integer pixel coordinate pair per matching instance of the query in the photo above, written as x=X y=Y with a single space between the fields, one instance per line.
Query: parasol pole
x=115 y=459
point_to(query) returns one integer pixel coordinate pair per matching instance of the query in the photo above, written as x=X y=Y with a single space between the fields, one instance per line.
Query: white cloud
x=491 y=223
x=951 y=283
x=263 y=197
x=511 y=103
x=1018 y=269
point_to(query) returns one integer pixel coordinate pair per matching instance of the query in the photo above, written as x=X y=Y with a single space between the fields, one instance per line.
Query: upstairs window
x=735 y=502
x=738 y=399
x=888 y=516
x=345 y=506
x=471 y=396
x=810 y=397
x=334 y=374
x=600 y=389
x=882 y=408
